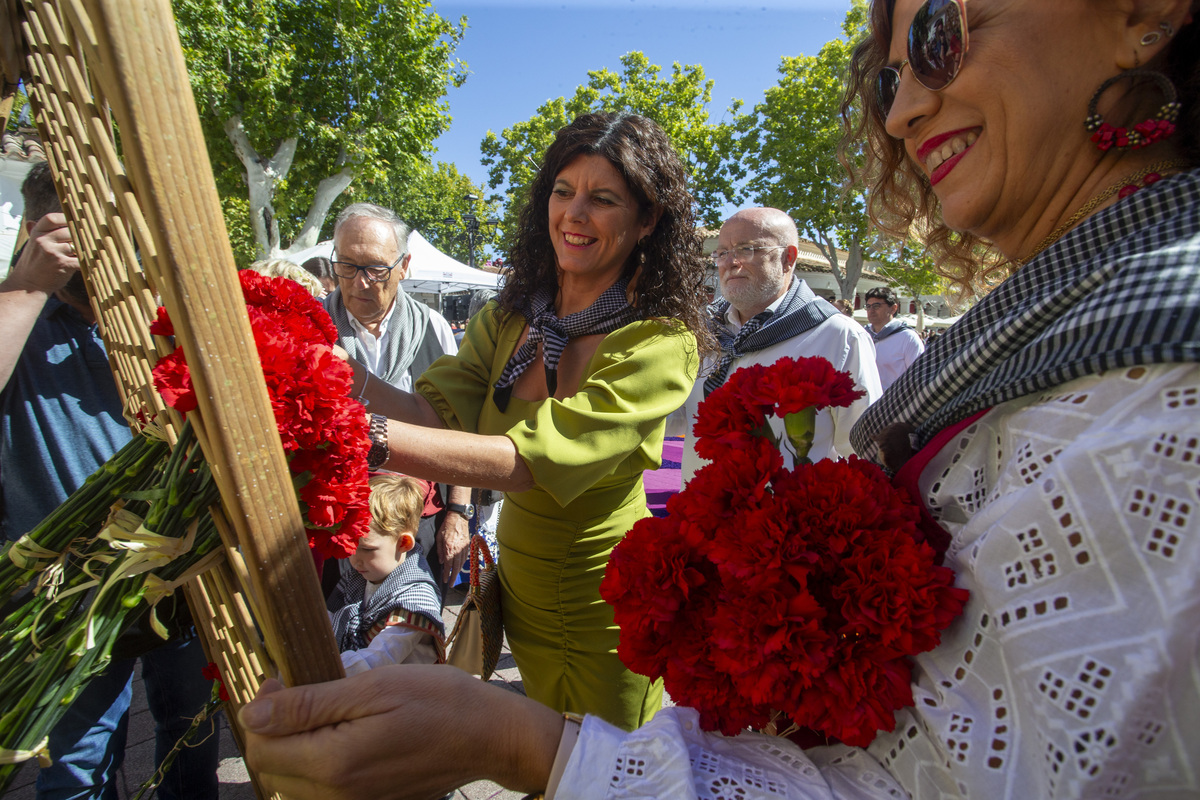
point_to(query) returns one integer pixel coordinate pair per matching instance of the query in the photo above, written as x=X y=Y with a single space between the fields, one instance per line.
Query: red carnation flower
x=727 y=424
x=768 y=591
x=162 y=324
x=174 y=382
x=792 y=385
x=212 y=672
x=321 y=428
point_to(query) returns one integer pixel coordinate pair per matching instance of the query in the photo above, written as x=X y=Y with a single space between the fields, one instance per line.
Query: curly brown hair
x=900 y=198
x=669 y=261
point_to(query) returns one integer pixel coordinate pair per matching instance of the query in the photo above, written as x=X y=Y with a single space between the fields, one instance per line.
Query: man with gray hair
x=396 y=338
x=765 y=314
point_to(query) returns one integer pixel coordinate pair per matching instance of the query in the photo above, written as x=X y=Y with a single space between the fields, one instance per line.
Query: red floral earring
x=1148 y=131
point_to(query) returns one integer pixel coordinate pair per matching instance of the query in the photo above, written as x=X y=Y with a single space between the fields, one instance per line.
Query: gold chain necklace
x=1091 y=205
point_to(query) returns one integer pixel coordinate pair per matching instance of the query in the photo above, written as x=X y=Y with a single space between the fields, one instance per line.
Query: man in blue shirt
x=60 y=419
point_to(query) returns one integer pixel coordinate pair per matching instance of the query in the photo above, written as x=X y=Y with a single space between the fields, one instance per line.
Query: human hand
x=397 y=732
x=454 y=544
x=49 y=259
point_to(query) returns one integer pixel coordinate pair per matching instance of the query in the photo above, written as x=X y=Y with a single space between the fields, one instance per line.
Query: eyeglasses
x=937 y=44
x=873 y=306
x=742 y=253
x=376 y=273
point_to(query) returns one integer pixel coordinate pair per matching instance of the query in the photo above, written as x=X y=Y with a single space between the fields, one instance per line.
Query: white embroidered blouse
x=1074 y=671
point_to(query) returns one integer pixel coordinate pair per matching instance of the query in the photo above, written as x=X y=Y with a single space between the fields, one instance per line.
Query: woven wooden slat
x=146 y=220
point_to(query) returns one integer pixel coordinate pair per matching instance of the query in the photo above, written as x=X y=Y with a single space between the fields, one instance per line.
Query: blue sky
x=521 y=53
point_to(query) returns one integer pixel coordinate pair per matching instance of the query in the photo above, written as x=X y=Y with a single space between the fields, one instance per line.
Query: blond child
x=386 y=608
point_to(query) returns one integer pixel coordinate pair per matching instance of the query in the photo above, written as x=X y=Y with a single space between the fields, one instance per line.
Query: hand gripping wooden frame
x=146 y=221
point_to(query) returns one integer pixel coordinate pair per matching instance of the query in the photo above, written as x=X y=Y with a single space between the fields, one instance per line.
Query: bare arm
x=455 y=457
x=339 y=739
x=46 y=264
x=420 y=444
x=454 y=535
x=383 y=398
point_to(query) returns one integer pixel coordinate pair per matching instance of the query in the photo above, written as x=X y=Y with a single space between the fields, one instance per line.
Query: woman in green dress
x=559 y=393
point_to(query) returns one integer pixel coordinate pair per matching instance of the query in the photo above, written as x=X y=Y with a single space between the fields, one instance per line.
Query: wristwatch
x=467 y=511
x=378 y=454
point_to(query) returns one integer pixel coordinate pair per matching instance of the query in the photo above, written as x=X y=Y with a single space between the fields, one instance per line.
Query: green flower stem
x=210 y=709
x=84 y=511
x=168 y=489
x=801 y=427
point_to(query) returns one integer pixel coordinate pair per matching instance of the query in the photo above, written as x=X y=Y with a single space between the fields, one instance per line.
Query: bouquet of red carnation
x=324 y=431
x=775 y=598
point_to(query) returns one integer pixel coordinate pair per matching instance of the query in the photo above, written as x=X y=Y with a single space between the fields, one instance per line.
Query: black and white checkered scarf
x=799 y=311
x=410 y=587
x=1120 y=289
x=611 y=311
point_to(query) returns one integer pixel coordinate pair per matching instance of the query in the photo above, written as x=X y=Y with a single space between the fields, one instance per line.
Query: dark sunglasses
x=937 y=44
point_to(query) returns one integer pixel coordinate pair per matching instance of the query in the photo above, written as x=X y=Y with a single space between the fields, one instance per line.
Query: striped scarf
x=611 y=311
x=410 y=587
x=895 y=326
x=799 y=311
x=1120 y=289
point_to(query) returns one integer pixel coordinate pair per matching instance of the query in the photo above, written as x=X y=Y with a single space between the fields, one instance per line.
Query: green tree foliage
x=19 y=101
x=236 y=210
x=907 y=264
x=299 y=100
x=790 y=144
x=426 y=197
x=679 y=103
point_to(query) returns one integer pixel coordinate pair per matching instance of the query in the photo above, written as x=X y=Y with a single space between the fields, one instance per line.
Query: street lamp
x=471 y=224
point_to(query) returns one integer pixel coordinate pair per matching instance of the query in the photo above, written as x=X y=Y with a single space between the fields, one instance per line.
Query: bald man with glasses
x=766 y=313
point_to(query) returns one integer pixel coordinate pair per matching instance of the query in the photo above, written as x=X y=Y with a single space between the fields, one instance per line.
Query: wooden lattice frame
x=94 y=66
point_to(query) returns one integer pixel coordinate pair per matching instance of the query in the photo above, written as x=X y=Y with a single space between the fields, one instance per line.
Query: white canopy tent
x=430 y=271
x=930 y=322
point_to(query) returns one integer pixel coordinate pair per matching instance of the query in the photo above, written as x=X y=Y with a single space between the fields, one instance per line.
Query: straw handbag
x=474 y=644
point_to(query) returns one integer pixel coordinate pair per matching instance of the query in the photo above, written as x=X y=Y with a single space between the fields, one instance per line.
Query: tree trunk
x=847 y=279
x=262 y=176
x=327 y=191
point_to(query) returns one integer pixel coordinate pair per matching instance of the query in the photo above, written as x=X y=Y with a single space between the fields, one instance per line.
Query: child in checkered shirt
x=386 y=608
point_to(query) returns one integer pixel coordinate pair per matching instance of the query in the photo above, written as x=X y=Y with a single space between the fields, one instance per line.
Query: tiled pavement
x=235 y=782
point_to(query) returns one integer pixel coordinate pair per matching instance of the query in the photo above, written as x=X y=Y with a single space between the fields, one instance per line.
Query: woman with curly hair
x=559 y=394
x=1056 y=429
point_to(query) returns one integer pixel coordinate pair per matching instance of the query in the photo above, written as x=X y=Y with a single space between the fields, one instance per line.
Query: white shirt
x=395 y=644
x=846 y=345
x=895 y=354
x=1072 y=672
x=374 y=346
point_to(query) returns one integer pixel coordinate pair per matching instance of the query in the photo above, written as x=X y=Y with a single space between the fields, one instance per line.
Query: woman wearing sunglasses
x=1057 y=438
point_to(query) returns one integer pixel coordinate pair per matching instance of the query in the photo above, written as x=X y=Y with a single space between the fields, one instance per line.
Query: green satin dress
x=587 y=454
